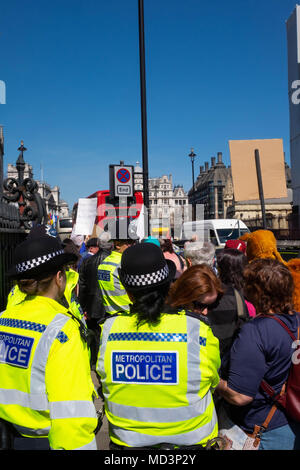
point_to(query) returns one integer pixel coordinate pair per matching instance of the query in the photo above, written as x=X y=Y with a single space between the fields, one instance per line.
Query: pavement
x=102 y=436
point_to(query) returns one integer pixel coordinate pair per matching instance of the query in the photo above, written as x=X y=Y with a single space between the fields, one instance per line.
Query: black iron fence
x=9 y=239
x=280 y=234
x=20 y=208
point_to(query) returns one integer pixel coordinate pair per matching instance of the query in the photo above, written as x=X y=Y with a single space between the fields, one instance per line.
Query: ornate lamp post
x=192 y=156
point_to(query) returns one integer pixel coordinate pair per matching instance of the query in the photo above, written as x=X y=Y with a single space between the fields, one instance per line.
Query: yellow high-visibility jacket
x=46 y=388
x=114 y=296
x=72 y=300
x=16 y=296
x=157 y=381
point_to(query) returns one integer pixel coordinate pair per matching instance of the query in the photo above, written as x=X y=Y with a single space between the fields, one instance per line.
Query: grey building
x=138 y=177
x=293 y=45
x=209 y=188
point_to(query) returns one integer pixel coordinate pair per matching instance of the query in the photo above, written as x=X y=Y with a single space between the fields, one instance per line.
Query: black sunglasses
x=200 y=306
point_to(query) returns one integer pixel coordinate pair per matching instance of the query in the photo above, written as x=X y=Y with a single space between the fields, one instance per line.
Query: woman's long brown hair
x=192 y=284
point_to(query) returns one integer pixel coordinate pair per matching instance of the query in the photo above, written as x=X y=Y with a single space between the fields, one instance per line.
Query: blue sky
x=215 y=71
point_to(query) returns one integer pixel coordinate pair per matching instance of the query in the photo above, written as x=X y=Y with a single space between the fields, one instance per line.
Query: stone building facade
x=138 y=177
x=168 y=205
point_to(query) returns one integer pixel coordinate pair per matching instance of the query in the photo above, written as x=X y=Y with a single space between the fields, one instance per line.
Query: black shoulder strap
x=107 y=316
x=84 y=333
x=180 y=260
x=198 y=316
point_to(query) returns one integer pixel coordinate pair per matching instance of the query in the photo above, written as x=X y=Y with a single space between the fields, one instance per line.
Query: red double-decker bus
x=111 y=208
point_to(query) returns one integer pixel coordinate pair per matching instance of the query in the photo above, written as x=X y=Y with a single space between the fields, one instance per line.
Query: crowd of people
x=181 y=341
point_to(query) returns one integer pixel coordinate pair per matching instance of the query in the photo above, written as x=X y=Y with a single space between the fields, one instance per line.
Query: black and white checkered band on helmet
x=35 y=262
x=139 y=280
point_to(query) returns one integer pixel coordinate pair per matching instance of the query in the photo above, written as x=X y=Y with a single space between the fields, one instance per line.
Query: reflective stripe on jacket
x=114 y=296
x=45 y=381
x=157 y=381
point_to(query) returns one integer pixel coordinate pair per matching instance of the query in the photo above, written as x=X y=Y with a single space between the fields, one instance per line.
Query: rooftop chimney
x=201 y=170
x=220 y=157
x=213 y=162
x=206 y=166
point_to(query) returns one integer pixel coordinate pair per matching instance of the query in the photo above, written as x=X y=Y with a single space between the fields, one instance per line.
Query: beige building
x=278 y=210
x=168 y=205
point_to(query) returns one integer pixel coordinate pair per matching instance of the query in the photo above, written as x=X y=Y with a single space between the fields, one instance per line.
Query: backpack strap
x=180 y=260
x=283 y=325
x=240 y=304
x=258 y=430
x=264 y=385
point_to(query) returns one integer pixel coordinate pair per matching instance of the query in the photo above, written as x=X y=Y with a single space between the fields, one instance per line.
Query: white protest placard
x=86 y=214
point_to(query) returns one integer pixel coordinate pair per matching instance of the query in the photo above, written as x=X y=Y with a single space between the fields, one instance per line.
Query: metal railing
x=21 y=207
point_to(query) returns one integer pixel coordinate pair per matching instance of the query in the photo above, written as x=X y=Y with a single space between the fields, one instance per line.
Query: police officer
x=46 y=390
x=114 y=296
x=69 y=299
x=157 y=366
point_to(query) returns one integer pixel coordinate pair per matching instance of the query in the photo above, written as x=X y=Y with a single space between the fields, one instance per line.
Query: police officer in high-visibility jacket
x=157 y=366
x=46 y=390
x=114 y=296
x=69 y=299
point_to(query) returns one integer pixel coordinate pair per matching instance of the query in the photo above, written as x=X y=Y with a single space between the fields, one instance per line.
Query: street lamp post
x=143 y=111
x=192 y=156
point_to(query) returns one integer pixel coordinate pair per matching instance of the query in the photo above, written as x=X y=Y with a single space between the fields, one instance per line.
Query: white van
x=64 y=227
x=217 y=231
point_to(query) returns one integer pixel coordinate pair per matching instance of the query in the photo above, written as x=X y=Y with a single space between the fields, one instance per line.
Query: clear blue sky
x=215 y=71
